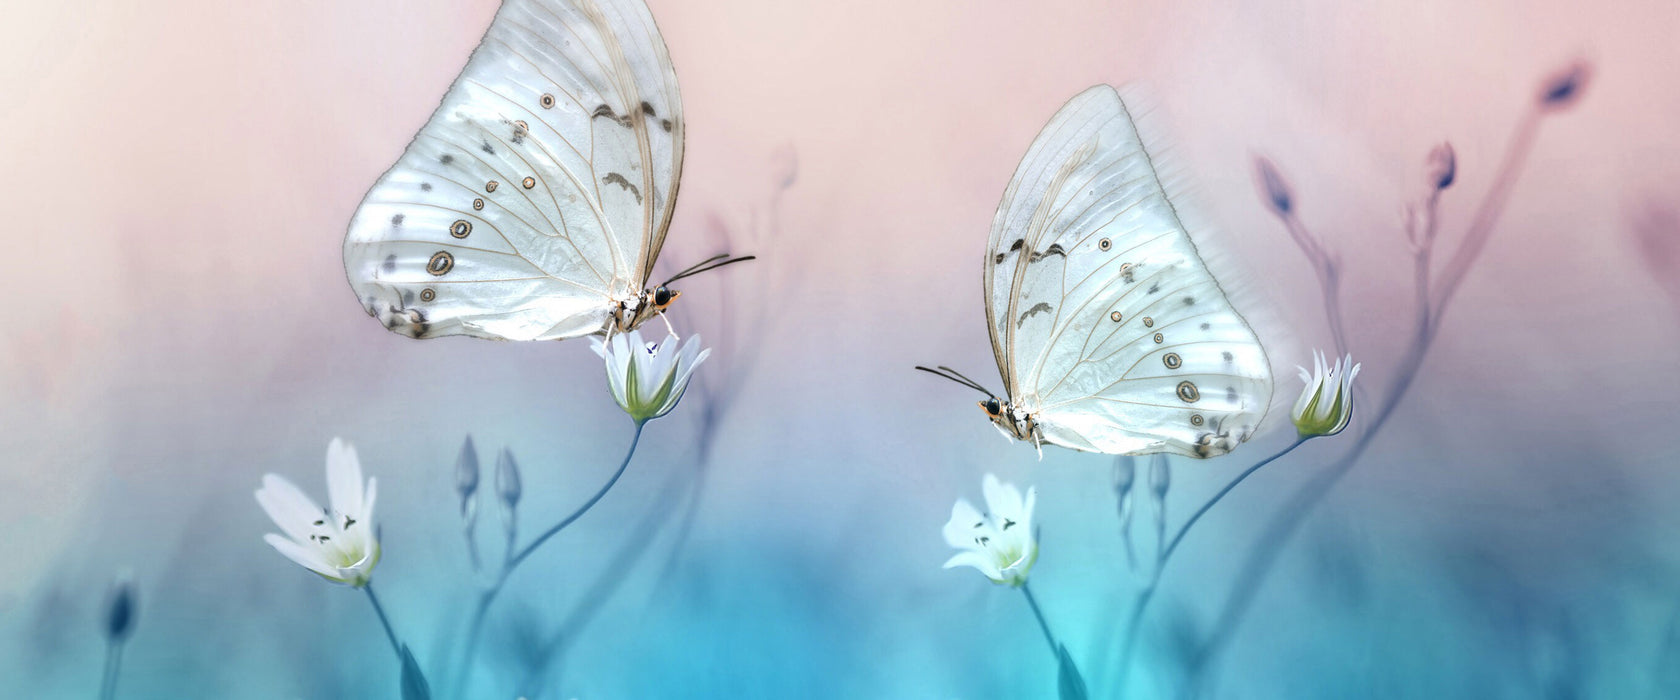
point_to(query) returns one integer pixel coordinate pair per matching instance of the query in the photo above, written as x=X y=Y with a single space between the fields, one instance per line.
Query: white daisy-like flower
x=648 y=379
x=1000 y=542
x=339 y=542
x=1326 y=404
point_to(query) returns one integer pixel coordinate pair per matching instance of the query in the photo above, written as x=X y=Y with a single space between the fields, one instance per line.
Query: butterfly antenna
x=965 y=381
x=702 y=263
x=709 y=264
x=970 y=382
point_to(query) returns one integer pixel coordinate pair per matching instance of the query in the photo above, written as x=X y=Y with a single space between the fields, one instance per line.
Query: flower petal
x=961 y=529
x=306 y=557
x=977 y=560
x=288 y=506
x=344 y=478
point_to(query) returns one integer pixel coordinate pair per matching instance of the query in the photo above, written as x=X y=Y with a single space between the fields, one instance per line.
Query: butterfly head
x=1014 y=421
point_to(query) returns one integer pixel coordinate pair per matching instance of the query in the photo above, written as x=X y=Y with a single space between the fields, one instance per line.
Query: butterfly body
x=1109 y=331
x=534 y=202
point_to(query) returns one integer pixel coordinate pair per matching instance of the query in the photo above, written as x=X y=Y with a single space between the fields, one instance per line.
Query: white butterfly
x=533 y=204
x=1110 y=333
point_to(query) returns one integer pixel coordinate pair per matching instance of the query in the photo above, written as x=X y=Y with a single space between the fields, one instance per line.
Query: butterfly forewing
x=1112 y=331
x=539 y=191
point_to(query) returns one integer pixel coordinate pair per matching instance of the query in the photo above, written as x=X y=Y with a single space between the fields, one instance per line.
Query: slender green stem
x=383 y=620
x=568 y=520
x=1043 y=626
x=512 y=561
x=113 y=665
x=1165 y=555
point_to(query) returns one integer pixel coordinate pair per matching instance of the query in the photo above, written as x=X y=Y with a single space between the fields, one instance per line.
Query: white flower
x=338 y=543
x=647 y=379
x=998 y=543
x=1326 y=404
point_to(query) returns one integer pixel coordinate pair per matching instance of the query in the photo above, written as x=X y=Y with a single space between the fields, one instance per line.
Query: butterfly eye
x=993 y=406
x=661 y=296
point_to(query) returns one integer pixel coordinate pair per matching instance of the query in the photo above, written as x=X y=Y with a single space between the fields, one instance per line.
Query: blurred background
x=181 y=175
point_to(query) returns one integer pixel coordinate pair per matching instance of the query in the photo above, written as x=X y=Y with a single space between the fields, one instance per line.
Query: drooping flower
x=648 y=379
x=1000 y=542
x=338 y=543
x=1326 y=404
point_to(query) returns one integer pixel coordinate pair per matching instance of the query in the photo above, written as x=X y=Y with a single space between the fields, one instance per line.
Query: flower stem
x=1042 y=625
x=511 y=562
x=568 y=520
x=113 y=666
x=1165 y=555
x=383 y=620
x=1286 y=522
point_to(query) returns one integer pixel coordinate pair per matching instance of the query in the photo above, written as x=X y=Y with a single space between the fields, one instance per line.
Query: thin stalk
x=509 y=563
x=1043 y=626
x=113 y=666
x=1288 y=520
x=1165 y=555
x=390 y=634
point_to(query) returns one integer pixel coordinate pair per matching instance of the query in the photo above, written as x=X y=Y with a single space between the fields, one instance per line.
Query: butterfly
x=1110 y=332
x=533 y=204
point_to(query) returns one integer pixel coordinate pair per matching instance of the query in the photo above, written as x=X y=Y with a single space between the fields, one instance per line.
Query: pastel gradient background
x=179 y=179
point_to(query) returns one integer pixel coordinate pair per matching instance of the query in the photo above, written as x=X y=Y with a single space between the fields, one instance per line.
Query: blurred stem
x=509 y=563
x=611 y=578
x=113 y=666
x=1329 y=278
x=1261 y=558
x=1043 y=626
x=1164 y=556
x=390 y=634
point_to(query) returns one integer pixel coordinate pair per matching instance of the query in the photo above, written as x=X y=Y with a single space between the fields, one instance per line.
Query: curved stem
x=1055 y=649
x=509 y=563
x=1287 y=521
x=568 y=520
x=1165 y=555
x=383 y=620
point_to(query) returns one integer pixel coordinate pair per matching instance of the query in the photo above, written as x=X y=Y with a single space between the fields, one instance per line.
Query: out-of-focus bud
x=1160 y=476
x=1443 y=166
x=784 y=161
x=508 y=486
x=121 y=608
x=1563 y=88
x=466 y=478
x=1125 y=477
x=1276 y=189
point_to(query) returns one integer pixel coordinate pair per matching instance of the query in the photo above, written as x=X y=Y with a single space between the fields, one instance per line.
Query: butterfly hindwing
x=540 y=189
x=1111 y=330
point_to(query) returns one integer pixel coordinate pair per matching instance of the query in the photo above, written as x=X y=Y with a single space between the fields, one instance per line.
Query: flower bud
x=508 y=486
x=466 y=478
x=1275 y=188
x=1326 y=403
x=1160 y=476
x=1443 y=166
x=1564 y=88
x=121 y=608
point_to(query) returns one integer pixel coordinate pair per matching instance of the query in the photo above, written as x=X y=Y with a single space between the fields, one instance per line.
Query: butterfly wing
x=1113 y=332
x=539 y=191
